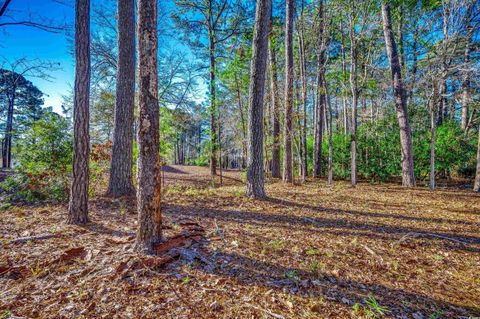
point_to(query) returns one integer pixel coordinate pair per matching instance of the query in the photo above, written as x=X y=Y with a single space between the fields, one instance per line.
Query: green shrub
x=43 y=155
x=379 y=153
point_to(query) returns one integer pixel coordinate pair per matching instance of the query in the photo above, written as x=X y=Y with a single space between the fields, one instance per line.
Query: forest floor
x=308 y=251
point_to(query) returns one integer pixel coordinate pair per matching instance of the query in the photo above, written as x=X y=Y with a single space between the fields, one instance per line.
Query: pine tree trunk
x=320 y=106
x=466 y=66
x=476 y=186
x=275 y=105
x=354 y=89
x=242 y=119
x=329 y=117
x=344 y=83
x=7 y=142
x=443 y=111
x=120 y=182
x=317 y=156
x=408 y=177
x=213 y=110
x=303 y=74
x=255 y=169
x=149 y=229
x=288 y=124
x=78 y=206
x=433 y=120
x=413 y=76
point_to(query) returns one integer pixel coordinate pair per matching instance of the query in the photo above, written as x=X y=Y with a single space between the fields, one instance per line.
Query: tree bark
x=275 y=105
x=255 y=168
x=329 y=117
x=288 y=124
x=476 y=186
x=78 y=206
x=413 y=76
x=408 y=177
x=354 y=89
x=120 y=182
x=242 y=119
x=466 y=66
x=344 y=85
x=433 y=121
x=317 y=149
x=303 y=74
x=7 y=142
x=213 y=110
x=443 y=111
x=149 y=230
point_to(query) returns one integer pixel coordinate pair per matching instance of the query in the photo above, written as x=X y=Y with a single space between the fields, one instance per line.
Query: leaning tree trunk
x=213 y=110
x=288 y=123
x=149 y=229
x=408 y=177
x=275 y=105
x=78 y=206
x=120 y=182
x=255 y=171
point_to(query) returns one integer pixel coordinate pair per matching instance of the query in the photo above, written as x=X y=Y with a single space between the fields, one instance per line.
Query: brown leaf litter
x=308 y=251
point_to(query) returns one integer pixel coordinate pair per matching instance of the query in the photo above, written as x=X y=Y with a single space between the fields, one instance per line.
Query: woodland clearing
x=307 y=251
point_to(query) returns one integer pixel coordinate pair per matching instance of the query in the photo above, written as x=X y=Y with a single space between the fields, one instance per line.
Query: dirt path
x=308 y=251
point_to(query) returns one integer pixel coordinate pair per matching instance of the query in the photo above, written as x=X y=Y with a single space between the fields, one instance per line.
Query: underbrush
x=29 y=188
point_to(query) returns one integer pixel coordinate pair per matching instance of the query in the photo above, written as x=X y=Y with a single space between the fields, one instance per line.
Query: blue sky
x=20 y=41
x=26 y=42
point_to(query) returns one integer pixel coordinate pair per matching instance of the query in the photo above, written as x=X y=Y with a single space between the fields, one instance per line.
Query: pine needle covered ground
x=308 y=251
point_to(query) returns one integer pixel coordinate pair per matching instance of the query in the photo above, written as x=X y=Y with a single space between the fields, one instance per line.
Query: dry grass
x=308 y=251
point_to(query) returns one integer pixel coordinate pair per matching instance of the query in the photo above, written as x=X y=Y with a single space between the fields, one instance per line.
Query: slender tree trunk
x=466 y=66
x=149 y=230
x=303 y=74
x=275 y=105
x=476 y=186
x=78 y=206
x=220 y=154
x=320 y=110
x=329 y=115
x=443 y=111
x=298 y=129
x=338 y=120
x=433 y=121
x=344 y=83
x=317 y=156
x=7 y=141
x=288 y=125
x=408 y=177
x=120 y=182
x=213 y=109
x=354 y=89
x=401 y=48
x=413 y=76
x=244 y=126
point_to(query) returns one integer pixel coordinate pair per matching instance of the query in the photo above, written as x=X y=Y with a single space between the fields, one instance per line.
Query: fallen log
x=23 y=240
